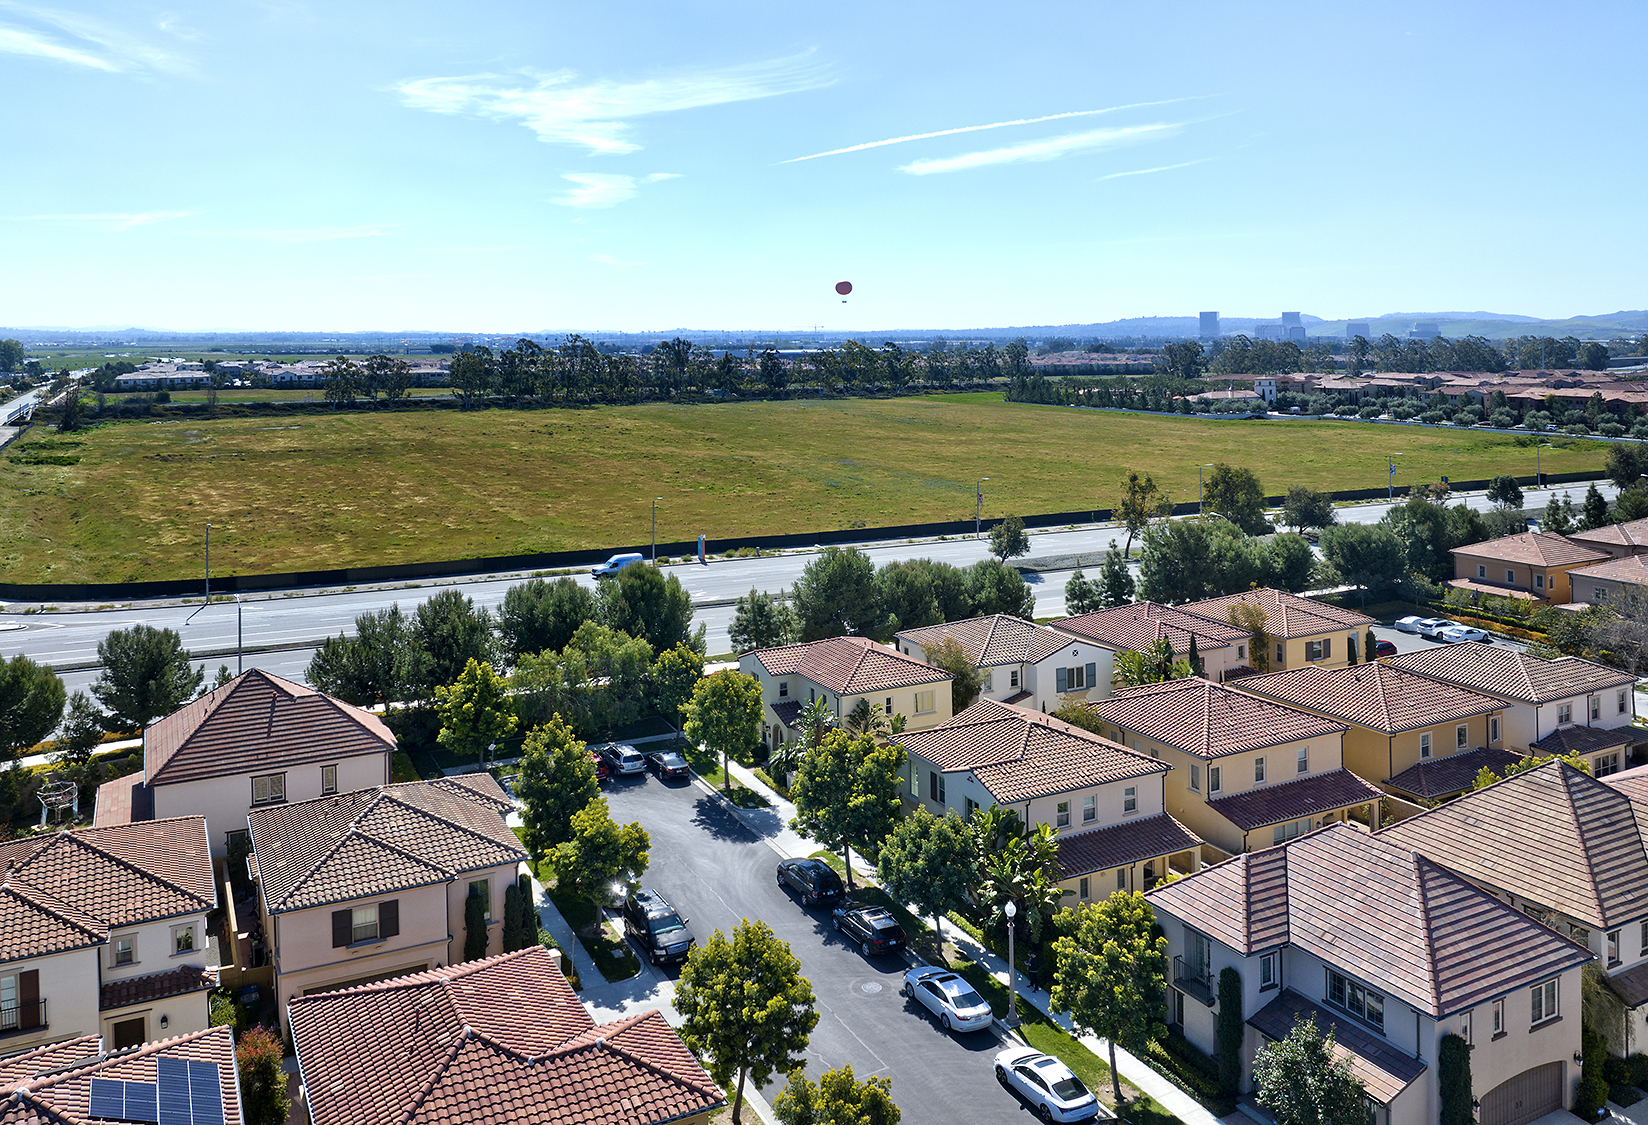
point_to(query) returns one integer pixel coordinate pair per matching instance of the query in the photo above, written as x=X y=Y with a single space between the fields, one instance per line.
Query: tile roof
x=1384 y=1069
x=492 y=1041
x=1133 y=841
x=1374 y=695
x=1376 y=910
x=51 y=1085
x=788 y=712
x=1208 y=719
x=1454 y=773
x=991 y=641
x=1292 y=800
x=1498 y=670
x=255 y=723
x=1286 y=615
x=375 y=841
x=848 y=665
x=1018 y=753
x=1533 y=548
x=1631 y=985
x=1586 y=740
x=1633 y=534
x=122 y=801
x=1551 y=835
x=1631 y=570
x=156 y=986
x=1489 y=588
x=1134 y=628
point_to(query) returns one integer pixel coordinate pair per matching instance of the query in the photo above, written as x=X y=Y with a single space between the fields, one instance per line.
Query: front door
x=128 y=1033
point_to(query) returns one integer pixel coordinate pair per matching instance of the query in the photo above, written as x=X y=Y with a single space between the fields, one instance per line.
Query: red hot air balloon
x=844 y=287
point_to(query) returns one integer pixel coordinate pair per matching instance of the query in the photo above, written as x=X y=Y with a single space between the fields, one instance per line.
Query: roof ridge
x=132 y=867
x=435 y=1075
x=425 y=813
x=1419 y=863
x=625 y=1053
x=1566 y=775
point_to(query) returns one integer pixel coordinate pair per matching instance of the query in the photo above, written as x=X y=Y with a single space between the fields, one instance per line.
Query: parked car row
x=1441 y=629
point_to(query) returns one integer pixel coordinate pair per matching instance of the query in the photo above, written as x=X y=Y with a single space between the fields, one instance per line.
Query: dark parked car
x=653 y=925
x=873 y=927
x=1383 y=648
x=668 y=765
x=812 y=879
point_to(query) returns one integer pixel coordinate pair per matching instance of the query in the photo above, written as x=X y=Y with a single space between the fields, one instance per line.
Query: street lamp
x=1390 y=483
x=655 y=500
x=1539 y=476
x=1012 y=1020
x=978 y=510
x=1199 y=469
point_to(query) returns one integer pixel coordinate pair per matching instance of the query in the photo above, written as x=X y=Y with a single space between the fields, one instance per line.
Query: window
x=1481 y=570
x=924 y=702
x=1461 y=736
x=1313 y=650
x=1599 y=593
x=1493 y=729
x=1013 y=678
x=1544 y=1001
x=1499 y=1017
x=1613 y=948
x=269 y=789
x=1539 y=581
x=363 y=924
x=1090 y=809
x=1130 y=803
x=1267 y=971
x=1078 y=678
x=941 y=789
x=183 y=939
x=988 y=683
x=1581 y=935
x=1258 y=769
x=1425 y=745
x=483 y=887
x=1604 y=764
x=1195 y=778
x=1198 y=950
x=1642 y=941
x=1214 y=775
x=1281 y=652
x=1596 y=706
x=783 y=689
x=1241 y=652
x=1465 y=1028
x=1510 y=576
x=1063 y=814
x=125 y=952
x=1622 y=697
x=1121 y=878
x=1359 y=1001
x=972 y=807
x=935 y=782
x=1564 y=713
x=887 y=707
x=1284 y=832
x=1084 y=889
x=1304 y=759
x=328 y=780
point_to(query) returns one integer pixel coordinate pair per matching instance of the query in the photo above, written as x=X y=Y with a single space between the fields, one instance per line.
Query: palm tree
x=865 y=719
x=814 y=722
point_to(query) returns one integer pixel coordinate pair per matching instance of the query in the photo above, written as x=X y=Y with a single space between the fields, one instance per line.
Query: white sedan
x=949 y=997
x=1046 y=1083
x=1409 y=624
x=1456 y=633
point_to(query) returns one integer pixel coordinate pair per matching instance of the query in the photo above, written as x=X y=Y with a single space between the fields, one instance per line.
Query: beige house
x=1020 y=662
x=1248 y=772
x=1532 y=565
x=1390 y=951
x=1621 y=540
x=494 y=1042
x=52 y=1085
x=842 y=671
x=363 y=886
x=257 y=741
x=105 y=934
x=1541 y=696
x=1399 y=722
x=1104 y=800
x=1220 y=647
x=1609 y=581
x=1301 y=630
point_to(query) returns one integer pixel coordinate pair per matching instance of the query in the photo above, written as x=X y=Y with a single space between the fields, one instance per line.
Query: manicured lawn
x=347 y=489
x=601 y=940
x=708 y=766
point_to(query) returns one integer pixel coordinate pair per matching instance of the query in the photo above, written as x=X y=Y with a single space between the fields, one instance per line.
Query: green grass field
x=347 y=489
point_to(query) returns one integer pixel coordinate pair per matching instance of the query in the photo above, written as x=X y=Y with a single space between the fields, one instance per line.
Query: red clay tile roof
x=51 y=1085
x=848 y=665
x=1384 y=1069
x=1498 y=670
x=1286 y=615
x=990 y=641
x=1376 y=910
x=33 y=923
x=1633 y=534
x=156 y=986
x=1631 y=570
x=374 y=841
x=255 y=723
x=122 y=801
x=499 y=1040
x=1551 y=835
x=1292 y=800
x=1208 y=719
x=1134 y=628
x=1017 y=753
x=1375 y=696
x=1455 y=773
x=1533 y=548
x=1133 y=841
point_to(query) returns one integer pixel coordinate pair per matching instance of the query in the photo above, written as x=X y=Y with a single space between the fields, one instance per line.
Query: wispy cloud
x=980 y=128
x=1148 y=171
x=612 y=260
x=80 y=40
x=1050 y=148
x=596 y=115
x=604 y=189
x=105 y=220
x=16 y=41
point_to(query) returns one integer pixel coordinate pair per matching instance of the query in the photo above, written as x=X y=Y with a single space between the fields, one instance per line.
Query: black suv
x=873 y=927
x=811 y=879
x=652 y=923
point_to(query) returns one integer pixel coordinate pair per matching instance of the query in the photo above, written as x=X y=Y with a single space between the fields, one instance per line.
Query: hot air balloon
x=844 y=288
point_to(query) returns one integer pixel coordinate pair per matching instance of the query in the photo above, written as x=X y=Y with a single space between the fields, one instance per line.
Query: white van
x=614 y=565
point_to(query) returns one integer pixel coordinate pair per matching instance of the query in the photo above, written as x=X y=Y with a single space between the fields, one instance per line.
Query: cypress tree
x=1453 y=1067
x=1228 y=1031
x=474 y=927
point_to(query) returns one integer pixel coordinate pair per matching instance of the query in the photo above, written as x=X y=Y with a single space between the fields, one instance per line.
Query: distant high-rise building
x=1295 y=332
x=1291 y=320
x=1210 y=326
x=1357 y=328
x=1424 y=330
x=1268 y=330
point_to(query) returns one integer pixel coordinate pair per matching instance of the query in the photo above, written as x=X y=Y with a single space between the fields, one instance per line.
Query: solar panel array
x=124 y=1101
x=188 y=1092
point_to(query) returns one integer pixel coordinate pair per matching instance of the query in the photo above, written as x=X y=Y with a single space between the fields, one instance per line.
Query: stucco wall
x=225 y=801
x=1374 y=756
x=69 y=986
x=305 y=958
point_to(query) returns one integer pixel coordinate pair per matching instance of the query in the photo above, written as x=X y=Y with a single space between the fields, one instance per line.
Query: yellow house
x=1301 y=630
x=1532 y=565
x=1247 y=772
x=1399 y=722
x=1220 y=647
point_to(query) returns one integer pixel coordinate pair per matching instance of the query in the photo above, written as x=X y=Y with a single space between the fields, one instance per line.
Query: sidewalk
x=550 y=918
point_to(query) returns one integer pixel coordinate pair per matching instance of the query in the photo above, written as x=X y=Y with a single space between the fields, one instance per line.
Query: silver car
x=1050 y=1087
x=949 y=997
x=623 y=759
x=1432 y=627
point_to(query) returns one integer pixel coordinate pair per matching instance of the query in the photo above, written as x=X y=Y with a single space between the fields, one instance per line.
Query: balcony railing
x=1191 y=982
x=18 y=1018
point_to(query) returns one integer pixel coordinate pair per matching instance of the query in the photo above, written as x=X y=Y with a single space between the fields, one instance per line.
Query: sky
x=551 y=166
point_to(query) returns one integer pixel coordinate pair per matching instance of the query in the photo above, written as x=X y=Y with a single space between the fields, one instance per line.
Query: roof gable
x=1632 y=533
x=848 y=665
x=1134 y=628
x=1498 y=670
x=1286 y=615
x=1376 y=695
x=1533 y=548
x=992 y=640
x=1210 y=720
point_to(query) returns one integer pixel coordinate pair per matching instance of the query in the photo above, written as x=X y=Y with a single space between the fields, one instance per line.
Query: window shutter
x=1092 y=675
x=389 y=918
x=932 y=784
x=1063 y=678
x=342 y=927
x=1327 y=648
x=28 y=998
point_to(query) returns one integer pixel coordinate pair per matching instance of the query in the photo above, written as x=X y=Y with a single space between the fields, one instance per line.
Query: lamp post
x=1012 y=1020
x=978 y=509
x=1199 y=469
x=655 y=500
x=1539 y=476
x=1390 y=481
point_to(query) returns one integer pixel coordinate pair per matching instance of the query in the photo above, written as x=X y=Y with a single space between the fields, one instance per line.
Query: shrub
x=1638 y=1069
x=1592 y=1096
x=1229 y=1032
x=1433 y=417
x=1611 y=429
x=163 y=396
x=1616 y=1071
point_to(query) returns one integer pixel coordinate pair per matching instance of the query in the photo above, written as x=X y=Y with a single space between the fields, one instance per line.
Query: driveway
x=717 y=873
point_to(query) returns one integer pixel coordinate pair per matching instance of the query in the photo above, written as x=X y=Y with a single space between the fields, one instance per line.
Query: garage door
x=1527 y=1097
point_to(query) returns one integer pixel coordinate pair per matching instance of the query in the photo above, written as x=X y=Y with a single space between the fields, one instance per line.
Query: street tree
x=1306 y=507
x=1367 y=556
x=745 y=1008
x=847 y=794
x=343 y=381
x=993 y=587
x=377 y=665
x=146 y=674
x=604 y=675
x=1236 y=494
x=1190 y=559
x=448 y=632
x=1301 y=1082
x=389 y=376
x=675 y=674
x=1593 y=513
x=836 y=596
x=965 y=682
x=641 y=601
x=1008 y=539
x=837 y=1098
x=1139 y=503
x=11 y=355
x=1111 y=974
x=761 y=620
x=724 y=716
x=1082 y=596
x=537 y=616
x=31 y=703
x=908 y=598
x=929 y=862
x=601 y=852
x=556 y=780
x=1504 y=492
x=1559 y=515
x=82 y=731
x=475 y=709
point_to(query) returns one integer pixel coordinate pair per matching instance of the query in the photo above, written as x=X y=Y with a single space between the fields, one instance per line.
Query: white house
x=1019 y=661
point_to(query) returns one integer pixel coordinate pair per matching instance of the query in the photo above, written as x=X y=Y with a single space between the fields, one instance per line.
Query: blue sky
x=640 y=166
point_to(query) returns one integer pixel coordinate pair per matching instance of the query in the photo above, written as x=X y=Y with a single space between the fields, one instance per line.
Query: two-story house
x=258 y=740
x=362 y=886
x=1018 y=661
x=1248 y=772
x=1567 y=849
x=1390 y=951
x=1220 y=647
x=1104 y=800
x=1531 y=565
x=1609 y=581
x=190 y=1077
x=1622 y=540
x=1421 y=739
x=1590 y=707
x=842 y=671
x=1301 y=630
x=103 y=932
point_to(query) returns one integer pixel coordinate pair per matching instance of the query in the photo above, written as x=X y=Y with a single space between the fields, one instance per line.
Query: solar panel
x=205 y=1093
x=123 y=1101
x=190 y=1092
x=173 y=1086
x=108 y=1099
x=141 y=1102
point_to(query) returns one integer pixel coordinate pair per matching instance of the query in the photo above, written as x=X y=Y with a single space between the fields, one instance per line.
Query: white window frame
x=1564 y=713
x=1130 y=803
x=1215 y=779
x=1465 y=1027
x=988 y=681
x=1267 y=971
x=1539 y=581
x=363 y=924
x=1611 y=947
x=274 y=789
x=1061 y=814
x=1304 y=759
x=328 y=780
x=123 y=950
x=783 y=689
x=1195 y=778
x=1121 y=878
x=1425 y=744
x=1357 y=999
x=180 y=933
x=1493 y=729
x=1013 y=678
x=1482 y=570
x=1461 y=736
x=1595 y=706
x=1599 y=593
x=1624 y=698
x=1241 y=652
x=1510 y=577
x=926 y=702
x=1083 y=888
x=1545 y=1002
x=1259 y=770
x=1499 y=1017
x=486 y=896
x=1090 y=809
x=1605 y=764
